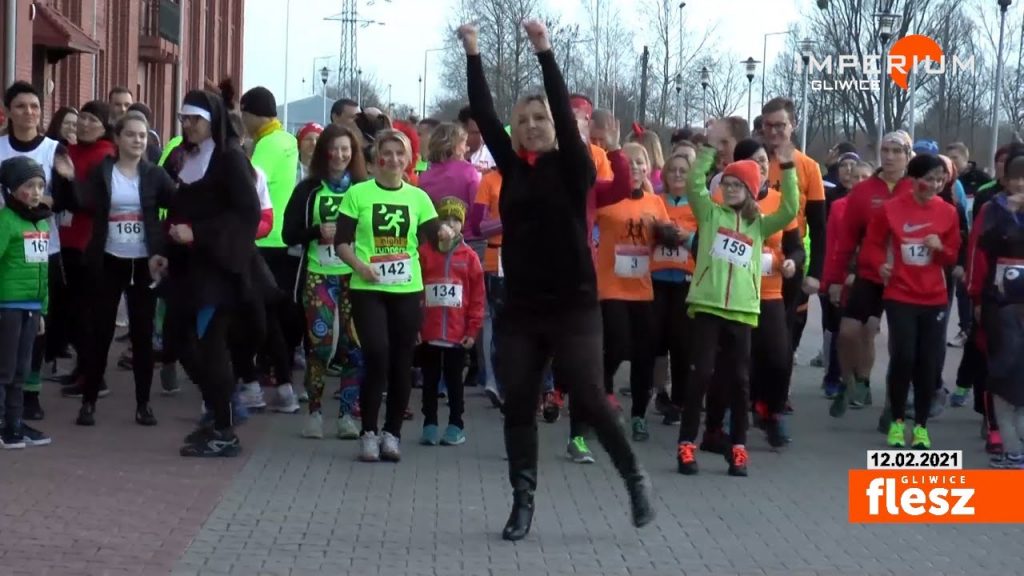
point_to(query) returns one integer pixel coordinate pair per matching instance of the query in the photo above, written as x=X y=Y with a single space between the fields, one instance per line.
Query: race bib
x=1008 y=269
x=677 y=255
x=37 y=247
x=632 y=261
x=327 y=255
x=125 y=229
x=444 y=294
x=732 y=247
x=392 y=269
x=915 y=253
x=767 y=263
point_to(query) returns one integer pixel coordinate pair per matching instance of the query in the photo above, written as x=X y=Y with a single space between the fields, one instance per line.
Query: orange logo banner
x=936 y=496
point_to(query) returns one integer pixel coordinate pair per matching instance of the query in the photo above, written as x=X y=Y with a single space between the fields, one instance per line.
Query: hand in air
x=468 y=34
x=788 y=269
x=537 y=32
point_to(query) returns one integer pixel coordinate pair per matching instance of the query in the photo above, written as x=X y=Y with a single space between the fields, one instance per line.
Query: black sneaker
x=86 y=415
x=77 y=390
x=32 y=409
x=663 y=404
x=169 y=379
x=204 y=428
x=144 y=416
x=11 y=440
x=775 y=427
x=213 y=444
x=673 y=416
x=34 y=437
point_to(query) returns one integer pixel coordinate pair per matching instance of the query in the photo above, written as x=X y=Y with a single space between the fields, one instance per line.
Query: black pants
x=247 y=333
x=771 y=357
x=213 y=372
x=387 y=325
x=917 y=341
x=796 y=306
x=79 y=285
x=527 y=338
x=290 y=325
x=451 y=361
x=672 y=332
x=50 y=345
x=719 y=366
x=131 y=278
x=18 y=330
x=628 y=335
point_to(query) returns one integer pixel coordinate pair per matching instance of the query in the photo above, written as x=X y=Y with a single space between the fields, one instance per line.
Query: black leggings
x=131 y=278
x=628 y=335
x=79 y=287
x=50 y=345
x=719 y=367
x=572 y=337
x=387 y=325
x=672 y=332
x=247 y=333
x=916 y=346
x=771 y=357
x=212 y=355
x=451 y=361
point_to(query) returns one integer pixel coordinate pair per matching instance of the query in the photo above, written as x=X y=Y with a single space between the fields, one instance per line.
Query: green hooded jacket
x=24 y=263
x=277 y=154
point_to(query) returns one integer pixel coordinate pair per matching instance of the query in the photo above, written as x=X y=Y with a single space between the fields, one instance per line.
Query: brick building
x=77 y=50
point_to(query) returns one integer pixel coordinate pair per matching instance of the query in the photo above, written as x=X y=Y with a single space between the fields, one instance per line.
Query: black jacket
x=545 y=241
x=298 y=228
x=156 y=191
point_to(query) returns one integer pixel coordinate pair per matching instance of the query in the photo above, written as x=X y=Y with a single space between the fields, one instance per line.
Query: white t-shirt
x=482 y=159
x=43 y=154
x=125 y=231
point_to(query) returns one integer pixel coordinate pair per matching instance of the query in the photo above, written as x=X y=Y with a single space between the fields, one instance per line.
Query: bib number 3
x=632 y=261
x=392 y=270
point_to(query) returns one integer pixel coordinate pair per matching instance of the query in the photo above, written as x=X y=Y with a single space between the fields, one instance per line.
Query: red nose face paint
x=381 y=162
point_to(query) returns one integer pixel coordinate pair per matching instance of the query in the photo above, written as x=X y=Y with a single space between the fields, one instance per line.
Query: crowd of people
x=377 y=255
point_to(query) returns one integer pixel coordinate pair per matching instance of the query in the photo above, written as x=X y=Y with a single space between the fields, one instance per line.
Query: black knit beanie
x=99 y=109
x=260 y=102
x=17 y=170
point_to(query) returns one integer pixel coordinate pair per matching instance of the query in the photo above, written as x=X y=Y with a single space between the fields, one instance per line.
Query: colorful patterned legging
x=331 y=335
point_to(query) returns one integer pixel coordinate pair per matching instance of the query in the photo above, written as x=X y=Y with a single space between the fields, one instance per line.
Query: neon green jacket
x=277 y=154
x=21 y=279
x=721 y=284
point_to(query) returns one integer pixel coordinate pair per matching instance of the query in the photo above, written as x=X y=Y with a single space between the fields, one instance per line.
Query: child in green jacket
x=24 y=262
x=725 y=296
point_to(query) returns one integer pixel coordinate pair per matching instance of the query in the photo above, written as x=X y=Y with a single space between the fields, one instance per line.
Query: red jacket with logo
x=918 y=273
x=861 y=204
x=453 y=294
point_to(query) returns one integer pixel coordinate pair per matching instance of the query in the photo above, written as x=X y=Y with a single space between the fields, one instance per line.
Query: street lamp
x=764 y=59
x=679 y=100
x=1003 y=5
x=705 y=81
x=806 y=51
x=324 y=73
x=359 y=87
x=887 y=22
x=423 y=106
x=751 y=66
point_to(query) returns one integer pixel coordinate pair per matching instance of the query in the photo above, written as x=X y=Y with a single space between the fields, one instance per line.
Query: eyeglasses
x=732 y=185
x=187 y=118
x=775 y=126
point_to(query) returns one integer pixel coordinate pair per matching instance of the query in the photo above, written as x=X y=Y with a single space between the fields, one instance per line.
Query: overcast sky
x=394 y=52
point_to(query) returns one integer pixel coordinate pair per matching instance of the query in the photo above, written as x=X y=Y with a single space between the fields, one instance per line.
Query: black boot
x=521 y=445
x=639 y=487
x=638 y=483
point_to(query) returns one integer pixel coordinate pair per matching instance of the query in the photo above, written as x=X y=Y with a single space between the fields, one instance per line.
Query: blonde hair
x=391 y=135
x=443 y=140
x=635 y=150
x=522 y=103
x=688 y=158
x=650 y=141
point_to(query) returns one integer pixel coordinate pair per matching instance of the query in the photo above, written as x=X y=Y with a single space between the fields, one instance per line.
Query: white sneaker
x=314 y=427
x=389 y=447
x=252 y=396
x=369 y=447
x=285 y=400
x=348 y=428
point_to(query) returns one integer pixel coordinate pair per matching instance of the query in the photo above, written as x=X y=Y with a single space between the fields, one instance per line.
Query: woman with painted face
x=123 y=197
x=211 y=258
x=551 y=307
x=923 y=232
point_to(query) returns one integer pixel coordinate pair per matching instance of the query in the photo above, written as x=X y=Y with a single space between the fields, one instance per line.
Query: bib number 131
x=392 y=269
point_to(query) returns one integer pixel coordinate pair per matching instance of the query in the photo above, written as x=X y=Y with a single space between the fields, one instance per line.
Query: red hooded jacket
x=863 y=201
x=85 y=157
x=918 y=273
x=834 y=268
x=453 y=294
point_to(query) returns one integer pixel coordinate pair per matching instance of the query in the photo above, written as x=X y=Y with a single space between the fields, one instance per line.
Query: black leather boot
x=521 y=445
x=639 y=487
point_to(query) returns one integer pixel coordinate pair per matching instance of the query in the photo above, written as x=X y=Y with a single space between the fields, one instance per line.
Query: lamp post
x=887 y=22
x=359 y=87
x=423 y=104
x=389 y=99
x=324 y=73
x=764 y=59
x=751 y=66
x=287 y=15
x=420 y=94
x=705 y=81
x=806 y=51
x=1003 y=5
x=679 y=100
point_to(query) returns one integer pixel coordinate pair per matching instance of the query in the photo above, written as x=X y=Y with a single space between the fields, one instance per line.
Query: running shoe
x=86 y=415
x=775 y=428
x=994 y=442
x=169 y=379
x=1008 y=461
x=12 y=440
x=493 y=395
x=578 y=451
x=639 y=426
x=348 y=428
x=897 y=437
x=284 y=400
x=453 y=436
x=959 y=397
x=959 y=340
x=210 y=443
x=251 y=396
x=314 y=427
x=737 y=460
x=921 y=439
x=389 y=447
x=77 y=390
x=369 y=447
x=837 y=409
x=552 y=408
x=939 y=400
x=831 y=389
x=714 y=441
x=32 y=409
x=686 y=458
x=431 y=435
x=860 y=394
x=144 y=415
x=662 y=403
x=819 y=360
x=672 y=416
x=34 y=437
x=124 y=361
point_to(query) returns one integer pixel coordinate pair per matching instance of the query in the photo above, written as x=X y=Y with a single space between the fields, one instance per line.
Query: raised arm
x=696 y=189
x=482 y=105
x=608 y=192
x=772 y=223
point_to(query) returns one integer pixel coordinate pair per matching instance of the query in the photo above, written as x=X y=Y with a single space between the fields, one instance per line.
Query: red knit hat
x=311 y=128
x=746 y=171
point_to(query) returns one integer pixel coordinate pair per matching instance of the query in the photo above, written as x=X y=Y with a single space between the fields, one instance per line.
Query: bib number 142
x=392 y=270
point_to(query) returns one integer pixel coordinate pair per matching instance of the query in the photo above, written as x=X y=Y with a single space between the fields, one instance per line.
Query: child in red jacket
x=453 y=301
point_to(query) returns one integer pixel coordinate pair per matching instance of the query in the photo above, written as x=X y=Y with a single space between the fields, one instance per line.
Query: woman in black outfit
x=551 y=309
x=124 y=196
x=211 y=258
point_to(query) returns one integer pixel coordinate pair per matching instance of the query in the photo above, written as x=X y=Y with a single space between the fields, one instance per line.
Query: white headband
x=190 y=110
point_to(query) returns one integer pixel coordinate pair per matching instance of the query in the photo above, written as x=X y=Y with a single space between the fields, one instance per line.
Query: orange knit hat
x=746 y=171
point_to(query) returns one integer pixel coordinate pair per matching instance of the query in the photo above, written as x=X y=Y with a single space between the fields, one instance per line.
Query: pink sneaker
x=994 y=443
